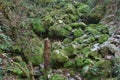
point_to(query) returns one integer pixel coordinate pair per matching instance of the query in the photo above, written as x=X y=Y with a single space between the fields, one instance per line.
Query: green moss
x=103 y=38
x=69 y=8
x=57 y=45
x=34 y=51
x=69 y=64
x=104 y=50
x=37 y=26
x=70 y=50
x=5 y=42
x=83 y=8
x=59 y=30
x=100 y=27
x=48 y=21
x=92 y=31
x=57 y=77
x=81 y=39
x=67 y=40
x=92 y=39
x=96 y=14
x=104 y=67
x=78 y=32
x=15 y=69
x=73 y=18
x=81 y=25
x=79 y=61
x=59 y=55
x=69 y=18
x=95 y=54
x=86 y=51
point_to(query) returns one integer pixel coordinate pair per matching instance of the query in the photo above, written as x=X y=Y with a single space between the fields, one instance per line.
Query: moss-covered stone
x=95 y=54
x=69 y=8
x=48 y=21
x=79 y=61
x=81 y=39
x=96 y=14
x=104 y=50
x=34 y=51
x=57 y=45
x=104 y=67
x=67 y=40
x=103 y=38
x=59 y=30
x=81 y=25
x=59 y=55
x=57 y=77
x=37 y=26
x=100 y=27
x=92 y=31
x=73 y=18
x=86 y=51
x=78 y=32
x=83 y=8
x=70 y=64
x=70 y=50
x=69 y=18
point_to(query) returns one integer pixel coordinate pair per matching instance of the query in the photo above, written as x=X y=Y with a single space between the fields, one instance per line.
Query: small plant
x=5 y=41
x=116 y=69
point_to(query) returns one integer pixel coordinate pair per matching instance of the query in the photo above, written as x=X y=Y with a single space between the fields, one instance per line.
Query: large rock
x=83 y=8
x=34 y=51
x=37 y=26
x=103 y=38
x=78 y=32
x=59 y=30
x=96 y=14
x=59 y=55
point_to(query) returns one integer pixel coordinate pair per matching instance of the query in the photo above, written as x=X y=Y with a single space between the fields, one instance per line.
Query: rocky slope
x=85 y=38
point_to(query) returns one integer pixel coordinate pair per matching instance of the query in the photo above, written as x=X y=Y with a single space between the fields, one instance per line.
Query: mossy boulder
x=92 y=31
x=81 y=39
x=70 y=50
x=69 y=8
x=103 y=38
x=100 y=27
x=96 y=14
x=59 y=30
x=104 y=68
x=57 y=45
x=86 y=50
x=81 y=25
x=67 y=40
x=95 y=54
x=83 y=8
x=70 y=64
x=78 y=32
x=59 y=55
x=58 y=77
x=73 y=18
x=79 y=61
x=48 y=21
x=34 y=51
x=69 y=18
x=37 y=26
x=104 y=50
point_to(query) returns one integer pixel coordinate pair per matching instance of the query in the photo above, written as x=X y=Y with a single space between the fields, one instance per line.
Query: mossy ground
x=75 y=32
